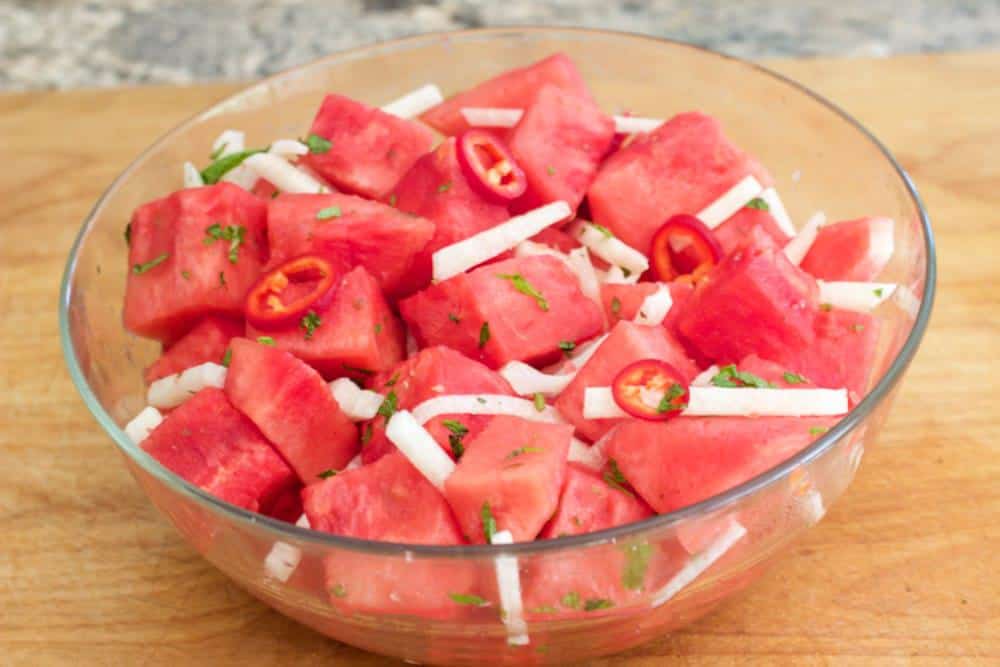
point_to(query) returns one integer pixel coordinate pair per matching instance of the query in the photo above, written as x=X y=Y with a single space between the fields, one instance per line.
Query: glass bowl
x=586 y=595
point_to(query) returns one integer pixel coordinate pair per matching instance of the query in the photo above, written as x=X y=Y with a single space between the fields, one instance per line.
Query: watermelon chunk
x=736 y=231
x=292 y=406
x=515 y=466
x=436 y=189
x=210 y=444
x=371 y=150
x=206 y=341
x=192 y=278
x=434 y=371
x=589 y=504
x=754 y=301
x=358 y=334
x=626 y=343
x=681 y=167
x=515 y=88
x=489 y=317
x=622 y=301
x=559 y=143
x=366 y=233
x=679 y=462
x=851 y=250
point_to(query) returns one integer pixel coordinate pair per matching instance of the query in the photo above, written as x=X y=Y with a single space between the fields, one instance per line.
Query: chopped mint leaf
x=391 y=382
x=214 y=172
x=366 y=435
x=389 y=405
x=484 y=334
x=355 y=369
x=444 y=187
x=878 y=292
x=826 y=307
x=523 y=450
x=468 y=599
x=603 y=230
x=614 y=478
x=186 y=275
x=489 y=523
x=454 y=318
x=857 y=328
x=730 y=376
x=458 y=432
x=793 y=378
x=222 y=279
x=521 y=284
x=235 y=234
x=759 y=204
x=567 y=346
x=550 y=170
x=310 y=322
x=625 y=272
x=139 y=269
x=327 y=474
x=481 y=400
x=338 y=590
x=227 y=358
x=636 y=563
x=544 y=609
x=393 y=199
x=616 y=306
x=328 y=212
x=378 y=328
x=317 y=144
x=593 y=604
x=667 y=401
x=265 y=340
x=539 y=401
x=571 y=600
x=818 y=430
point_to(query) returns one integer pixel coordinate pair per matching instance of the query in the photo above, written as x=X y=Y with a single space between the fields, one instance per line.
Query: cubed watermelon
x=736 y=231
x=559 y=143
x=622 y=301
x=349 y=231
x=515 y=88
x=682 y=461
x=292 y=406
x=754 y=301
x=206 y=341
x=520 y=308
x=434 y=371
x=851 y=250
x=513 y=471
x=210 y=444
x=371 y=149
x=358 y=333
x=588 y=504
x=681 y=167
x=436 y=189
x=179 y=272
x=627 y=343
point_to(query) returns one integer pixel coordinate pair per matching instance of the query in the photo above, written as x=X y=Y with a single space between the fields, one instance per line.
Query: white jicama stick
x=192 y=177
x=610 y=248
x=881 y=242
x=484 y=404
x=283 y=175
x=797 y=249
x=526 y=380
x=357 y=403
x=172 y=390
x=696 y=565
x=509 y=585
x=731 y=201
x=420 y=448
x=585 y=454
x=508 y=117
x=599 y=402
x=655 y=307
x=283 y=558
x=415 y=103
x=288 y=147
x=704 y=378
x=860 y=297
x=777 y=210
x=143 y=424
x=635 y=124
x=228 y=143
x=467 y=253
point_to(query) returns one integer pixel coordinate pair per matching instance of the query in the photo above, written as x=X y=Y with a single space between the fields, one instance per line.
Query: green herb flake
x=730 y=376
x=391 y=382
x=227 y=357
x=338 y=590
x=444 y=187
x=667 y=400
x=378 y=328
x=489 y=522
x=128 y=234
x=309 y=323
x=616 y=306
x=608 y=234
x=793 y=378
x=550 y=170
x=521 y=284
x=520 y=451
x=593 y=604
x=317 y=144
x=826 y=307
x=468 y=599
x=539 y=401
x=759 y=204
x=567 y=346
x=389 y=405
x=326 y=474
x=544 y=609
x=214 y=172
x=484 y=334
x=458 y=432
x=481 y=400
x=366 y=434
x=571 y=600
x=878 y=292
x=139 y=269
x=818 y=430
x=857 y=328
x=355 y=369
x=222 y=279
x=625 y=272
x=186 y=275
x=454 y=318
x=328 y=212
x=274 y=195
x=266 y=340
x=636 y=564
x=393 y=199
x=614 y=478
x=235 y=234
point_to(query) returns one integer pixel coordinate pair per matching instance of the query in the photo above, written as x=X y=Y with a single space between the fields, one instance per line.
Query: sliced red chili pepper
x=650 y=389
x=489 y=167
x=684 y=249
x=281 y=297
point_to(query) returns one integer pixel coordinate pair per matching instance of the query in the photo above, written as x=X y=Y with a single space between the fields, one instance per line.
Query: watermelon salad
x=501 y=317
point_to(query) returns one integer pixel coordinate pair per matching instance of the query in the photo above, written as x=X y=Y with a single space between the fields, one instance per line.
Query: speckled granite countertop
x=67 y=43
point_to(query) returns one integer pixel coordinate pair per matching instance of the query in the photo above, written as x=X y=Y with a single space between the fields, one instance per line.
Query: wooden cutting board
x=904 y=569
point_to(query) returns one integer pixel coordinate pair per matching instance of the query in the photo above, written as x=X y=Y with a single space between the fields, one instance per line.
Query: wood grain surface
x=904 y=570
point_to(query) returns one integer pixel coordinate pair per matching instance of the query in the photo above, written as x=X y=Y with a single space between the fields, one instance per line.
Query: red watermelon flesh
x=371 y=150
x=559 y=143
x=681 y=167
x=589 y=504
x=557 y=239
x=366 y=233
x=211 y=445
x=851 y=250
x=292 y=406
x=519 y=325
x=682 y=461
x=358 y=333
x=755 y=301
x=195 y=278
x=515 y=88
x=265 y=189
x=434 y=371
x=627 y=343
x=436 y=189
x=206 y=341
x=735 y=231
x=515 y=466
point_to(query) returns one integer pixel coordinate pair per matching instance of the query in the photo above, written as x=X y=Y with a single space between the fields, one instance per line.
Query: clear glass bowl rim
x=282 y=530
